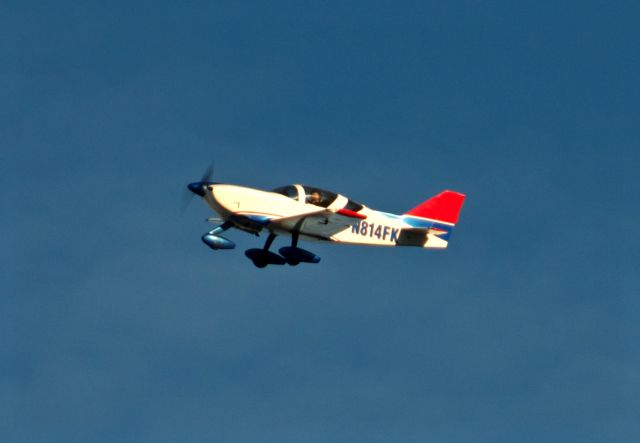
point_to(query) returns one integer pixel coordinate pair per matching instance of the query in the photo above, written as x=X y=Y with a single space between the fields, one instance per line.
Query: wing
x=323 y=223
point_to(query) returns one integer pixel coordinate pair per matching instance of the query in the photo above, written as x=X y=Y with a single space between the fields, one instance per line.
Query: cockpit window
x=353 y=206
x=319 y=197
x=288 y=191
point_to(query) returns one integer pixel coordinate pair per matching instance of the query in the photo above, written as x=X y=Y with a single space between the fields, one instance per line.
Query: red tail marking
x=443 y=207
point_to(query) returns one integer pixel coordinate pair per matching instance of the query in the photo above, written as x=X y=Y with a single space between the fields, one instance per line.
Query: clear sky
x=118 y=324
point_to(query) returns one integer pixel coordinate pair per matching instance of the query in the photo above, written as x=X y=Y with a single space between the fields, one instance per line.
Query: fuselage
x=294 y=208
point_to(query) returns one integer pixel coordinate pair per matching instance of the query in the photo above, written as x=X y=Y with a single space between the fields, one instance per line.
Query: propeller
x=208 y=174
x=197 y=188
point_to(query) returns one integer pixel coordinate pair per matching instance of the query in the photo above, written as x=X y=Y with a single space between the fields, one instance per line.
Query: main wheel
x=260 y=263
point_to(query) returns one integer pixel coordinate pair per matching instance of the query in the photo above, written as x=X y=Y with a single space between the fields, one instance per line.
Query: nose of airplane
x=197 y=188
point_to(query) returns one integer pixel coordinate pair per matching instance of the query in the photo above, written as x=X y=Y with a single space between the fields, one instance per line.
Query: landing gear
x=291 y=255
x=291 y=260
x=295 y=255
x=263 y=257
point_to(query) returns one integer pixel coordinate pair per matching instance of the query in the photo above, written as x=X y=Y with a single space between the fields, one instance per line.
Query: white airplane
x=310 y=213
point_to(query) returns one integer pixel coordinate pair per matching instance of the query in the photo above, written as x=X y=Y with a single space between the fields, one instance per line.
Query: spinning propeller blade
x=208 y=174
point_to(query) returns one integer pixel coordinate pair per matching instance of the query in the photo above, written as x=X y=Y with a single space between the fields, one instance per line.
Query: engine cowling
x=217 y=242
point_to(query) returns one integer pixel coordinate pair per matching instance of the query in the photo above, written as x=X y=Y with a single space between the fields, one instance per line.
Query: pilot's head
x=314 y=198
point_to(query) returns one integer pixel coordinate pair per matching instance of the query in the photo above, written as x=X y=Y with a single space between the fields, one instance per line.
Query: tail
x=432 y=221
x=444 y=207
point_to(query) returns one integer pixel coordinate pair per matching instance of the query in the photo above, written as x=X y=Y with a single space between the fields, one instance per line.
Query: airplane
x=310 y=213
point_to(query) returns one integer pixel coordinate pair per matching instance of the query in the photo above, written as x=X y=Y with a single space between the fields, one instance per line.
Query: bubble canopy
x=313 y=195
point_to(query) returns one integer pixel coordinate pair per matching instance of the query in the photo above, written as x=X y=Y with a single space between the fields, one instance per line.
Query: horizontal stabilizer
x=412 y=237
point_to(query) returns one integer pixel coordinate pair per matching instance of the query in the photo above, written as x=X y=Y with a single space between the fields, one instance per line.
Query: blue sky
x=118 y=324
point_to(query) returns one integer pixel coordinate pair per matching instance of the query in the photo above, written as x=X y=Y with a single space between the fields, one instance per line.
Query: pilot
x=314 y=198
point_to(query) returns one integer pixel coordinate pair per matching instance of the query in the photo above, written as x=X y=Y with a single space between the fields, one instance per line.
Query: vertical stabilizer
x=444 y=207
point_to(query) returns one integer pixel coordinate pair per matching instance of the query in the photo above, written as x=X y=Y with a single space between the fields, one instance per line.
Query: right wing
x=322 y=223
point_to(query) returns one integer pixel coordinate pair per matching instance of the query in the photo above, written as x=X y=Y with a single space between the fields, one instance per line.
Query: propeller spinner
x=199 y=187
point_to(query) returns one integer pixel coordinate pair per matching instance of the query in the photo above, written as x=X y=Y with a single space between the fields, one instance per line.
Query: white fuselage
x=253 y=210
